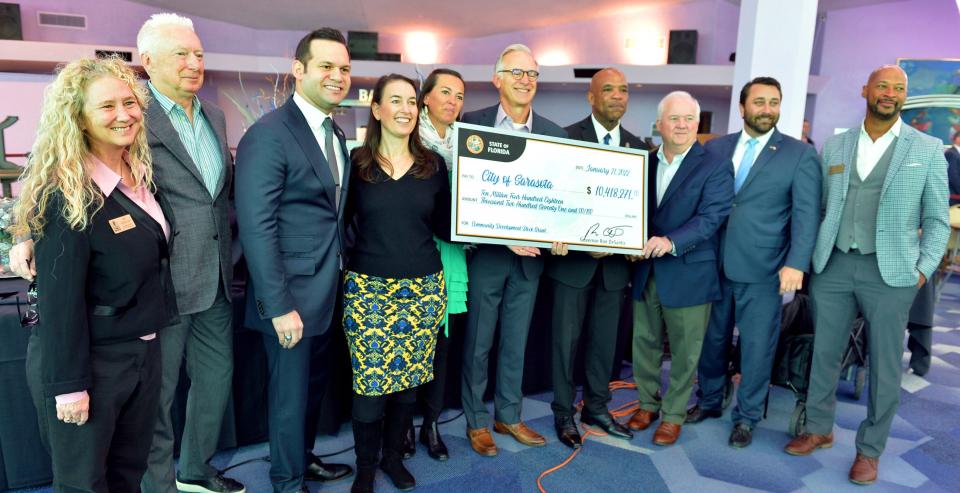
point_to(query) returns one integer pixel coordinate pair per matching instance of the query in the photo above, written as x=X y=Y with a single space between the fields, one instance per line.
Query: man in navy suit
x=676 y=279
x=591 y=283
x=766 y=245
x=503 y=280
x=292 y=174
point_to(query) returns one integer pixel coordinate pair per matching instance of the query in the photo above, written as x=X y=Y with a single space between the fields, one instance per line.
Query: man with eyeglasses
x=676 y=278
x=503 y=280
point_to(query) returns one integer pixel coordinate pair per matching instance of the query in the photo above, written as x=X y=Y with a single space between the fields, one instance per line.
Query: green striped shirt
x=198 y=138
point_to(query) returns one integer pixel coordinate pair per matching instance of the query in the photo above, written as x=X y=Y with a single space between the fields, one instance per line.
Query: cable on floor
x=618 y=412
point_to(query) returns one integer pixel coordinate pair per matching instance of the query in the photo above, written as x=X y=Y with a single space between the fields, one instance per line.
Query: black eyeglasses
x=518 y=74
x=31 y=316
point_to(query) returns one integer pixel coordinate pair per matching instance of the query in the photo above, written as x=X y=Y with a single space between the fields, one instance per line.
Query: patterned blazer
x=914 y=196
x=201 y=256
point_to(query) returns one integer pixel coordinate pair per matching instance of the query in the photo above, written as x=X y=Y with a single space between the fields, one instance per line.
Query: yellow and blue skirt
x=391 y=327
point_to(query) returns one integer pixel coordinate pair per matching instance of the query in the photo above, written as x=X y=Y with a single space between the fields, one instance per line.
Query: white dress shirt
x=742 y=148
x=505 y=122
x=315 y=119
x=666 y=170
x=870 y=151
x=601 y=131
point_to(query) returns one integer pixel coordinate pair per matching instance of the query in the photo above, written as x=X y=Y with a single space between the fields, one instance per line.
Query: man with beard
x=590 y=282
x=884 y=183
x=766 y=245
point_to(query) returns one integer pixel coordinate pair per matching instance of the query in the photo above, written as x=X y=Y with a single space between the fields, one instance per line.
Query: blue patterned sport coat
x=914 y=196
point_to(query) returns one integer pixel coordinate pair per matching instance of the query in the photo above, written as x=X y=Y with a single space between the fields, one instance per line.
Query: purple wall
x=858 y=40
x=116 y=22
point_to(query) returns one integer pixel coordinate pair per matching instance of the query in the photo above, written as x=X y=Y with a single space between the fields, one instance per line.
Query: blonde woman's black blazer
x=98 y=287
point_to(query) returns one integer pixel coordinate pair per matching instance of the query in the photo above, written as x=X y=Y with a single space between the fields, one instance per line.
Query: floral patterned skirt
x=391 y=327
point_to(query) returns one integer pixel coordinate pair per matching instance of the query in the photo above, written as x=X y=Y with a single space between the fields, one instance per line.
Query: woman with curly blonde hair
x=103 y=288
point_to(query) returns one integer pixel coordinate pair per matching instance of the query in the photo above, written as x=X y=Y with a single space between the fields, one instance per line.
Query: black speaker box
x=683 y=47
x=363 y=45
x=10 y=21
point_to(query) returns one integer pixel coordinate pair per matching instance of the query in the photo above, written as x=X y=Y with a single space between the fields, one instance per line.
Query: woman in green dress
x=441 y=101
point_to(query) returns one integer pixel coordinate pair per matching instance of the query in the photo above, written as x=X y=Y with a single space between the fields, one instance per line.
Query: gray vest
x=858 y=225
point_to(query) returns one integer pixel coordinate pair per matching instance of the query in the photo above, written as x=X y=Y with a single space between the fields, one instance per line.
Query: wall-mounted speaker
x=363 y=45
x=10 y=21
x=683 y=47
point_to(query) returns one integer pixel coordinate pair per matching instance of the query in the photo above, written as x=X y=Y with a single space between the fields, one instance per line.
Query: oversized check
x=514 y=188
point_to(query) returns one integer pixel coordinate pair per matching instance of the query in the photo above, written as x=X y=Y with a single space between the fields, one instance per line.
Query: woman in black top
x=394 y=295
x=103 y=279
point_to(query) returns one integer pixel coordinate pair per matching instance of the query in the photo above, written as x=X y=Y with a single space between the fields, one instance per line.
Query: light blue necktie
x=606 y=140
x=745 y=164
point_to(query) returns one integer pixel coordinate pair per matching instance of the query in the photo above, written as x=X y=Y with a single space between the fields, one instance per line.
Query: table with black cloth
x=24 y=462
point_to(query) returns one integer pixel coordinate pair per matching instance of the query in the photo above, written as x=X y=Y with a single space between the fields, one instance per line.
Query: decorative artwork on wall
x=933 y=105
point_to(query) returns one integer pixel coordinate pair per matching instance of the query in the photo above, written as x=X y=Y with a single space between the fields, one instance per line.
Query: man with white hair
x=503 y=280
x=193 y=170
x=676 y=279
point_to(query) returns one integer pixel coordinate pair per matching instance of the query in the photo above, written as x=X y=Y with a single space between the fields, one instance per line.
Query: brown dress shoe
x=666 y=434
x=806 y=443
x=864 y=470
x=521 y=433
x=641 y=420
x=482 y=442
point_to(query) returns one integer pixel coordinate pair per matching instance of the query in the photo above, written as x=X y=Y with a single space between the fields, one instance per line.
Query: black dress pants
x=109 y=452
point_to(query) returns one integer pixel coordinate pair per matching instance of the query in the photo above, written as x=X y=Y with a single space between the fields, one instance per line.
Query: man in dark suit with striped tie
x=590 y=283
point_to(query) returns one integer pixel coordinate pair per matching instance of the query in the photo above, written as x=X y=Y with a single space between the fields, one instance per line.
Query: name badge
x=835 y=169
x=122 y=223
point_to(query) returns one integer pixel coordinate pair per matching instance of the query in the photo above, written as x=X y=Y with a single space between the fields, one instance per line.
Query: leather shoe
x=521 y=433
x=864 y=469
x=482 y=442
x=430 y=438
x=806 y=443
x=567 y=431
x=697 y=414
x=741 y=436
x=606 y=423
x=641 y=420
x=409 y=445
x=216 y=484
x=325 y=473
x=666 y=434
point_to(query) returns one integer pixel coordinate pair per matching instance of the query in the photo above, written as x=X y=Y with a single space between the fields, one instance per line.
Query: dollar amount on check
x=514 y=188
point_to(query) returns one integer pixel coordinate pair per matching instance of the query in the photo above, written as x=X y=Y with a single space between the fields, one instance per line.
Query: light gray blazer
x=914 y=196
x=201 y=256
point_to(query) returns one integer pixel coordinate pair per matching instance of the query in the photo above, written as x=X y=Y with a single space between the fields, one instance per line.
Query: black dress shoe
x=398 y=473
x=567 y=431
x=697 y=414
x=430 y=438
x=741 y=436
x=409 y=443
x=606 y=423
x=325 y=473
x=215 y=484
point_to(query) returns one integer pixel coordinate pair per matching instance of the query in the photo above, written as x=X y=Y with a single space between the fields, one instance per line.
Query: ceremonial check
x=515 y=188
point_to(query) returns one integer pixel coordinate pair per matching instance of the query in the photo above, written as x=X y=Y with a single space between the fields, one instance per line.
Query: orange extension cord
x=622 y=411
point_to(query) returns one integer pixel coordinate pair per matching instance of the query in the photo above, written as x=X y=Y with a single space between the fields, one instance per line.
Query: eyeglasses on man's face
x=518 y=73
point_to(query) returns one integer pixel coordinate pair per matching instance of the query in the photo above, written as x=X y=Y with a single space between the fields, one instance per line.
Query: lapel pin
x=773 y=148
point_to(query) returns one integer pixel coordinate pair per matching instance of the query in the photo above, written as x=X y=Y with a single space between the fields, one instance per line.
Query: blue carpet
x=923 y=453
